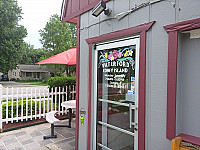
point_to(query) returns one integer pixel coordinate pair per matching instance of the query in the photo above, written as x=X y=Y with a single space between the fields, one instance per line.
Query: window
x=38 y=75
x=34 y=75
x=28 y=74
x=177 y=104
x=188 y=86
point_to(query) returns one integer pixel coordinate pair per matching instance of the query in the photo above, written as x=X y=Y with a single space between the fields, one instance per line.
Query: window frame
x=173 y=30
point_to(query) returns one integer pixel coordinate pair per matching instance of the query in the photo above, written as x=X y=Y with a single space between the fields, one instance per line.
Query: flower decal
x=106 y=55
x=109 y=56
x=119 y=54
x=124 y=54
x=112 y=58
x=130 y=53
x=115 y=54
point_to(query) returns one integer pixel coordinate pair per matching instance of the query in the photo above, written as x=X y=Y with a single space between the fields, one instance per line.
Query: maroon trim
x=142 y=29
x=79 y=10
x=190 y=139
x=120 y=33
x=142 y=91
x=173 y=30
x=89 y=97
x=171 y=84
x=77 y=82
x=73 y=20
x=183 y=26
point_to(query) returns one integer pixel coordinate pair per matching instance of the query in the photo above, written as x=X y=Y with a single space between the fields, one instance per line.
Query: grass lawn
x=38 y=83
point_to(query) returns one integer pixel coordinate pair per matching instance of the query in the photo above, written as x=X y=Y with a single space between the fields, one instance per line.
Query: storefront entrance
x=117 y=67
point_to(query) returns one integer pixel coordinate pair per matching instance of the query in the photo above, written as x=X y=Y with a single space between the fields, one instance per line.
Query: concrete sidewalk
x=31 y=138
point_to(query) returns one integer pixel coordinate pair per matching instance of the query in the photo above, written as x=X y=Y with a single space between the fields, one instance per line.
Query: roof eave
x=71 y=16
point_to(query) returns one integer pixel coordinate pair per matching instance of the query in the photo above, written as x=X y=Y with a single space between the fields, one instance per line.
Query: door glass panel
x=116 y=140
x=116 y=97
x=117 y=115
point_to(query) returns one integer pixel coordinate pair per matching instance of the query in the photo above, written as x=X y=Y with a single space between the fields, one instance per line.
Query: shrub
x=45 y=81
x=24 y=107
x=62 y=81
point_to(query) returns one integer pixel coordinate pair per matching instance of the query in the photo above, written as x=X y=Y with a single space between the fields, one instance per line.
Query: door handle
x=130 y=115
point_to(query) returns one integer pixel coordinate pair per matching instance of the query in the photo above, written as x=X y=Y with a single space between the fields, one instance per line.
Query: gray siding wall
x=188 y=120
x=157 y=58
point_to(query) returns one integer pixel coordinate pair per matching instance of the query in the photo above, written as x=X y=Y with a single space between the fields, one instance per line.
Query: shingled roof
x=32 y=68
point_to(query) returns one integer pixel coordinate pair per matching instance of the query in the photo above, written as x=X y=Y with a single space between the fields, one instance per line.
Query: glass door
x=117 y=98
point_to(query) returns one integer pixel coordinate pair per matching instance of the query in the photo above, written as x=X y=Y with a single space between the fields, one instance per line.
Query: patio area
x=31 y=138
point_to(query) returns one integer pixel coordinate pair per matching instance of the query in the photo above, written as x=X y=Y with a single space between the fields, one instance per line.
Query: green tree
x=57 y=37
x=30 y=55
x=11 y=35
x=37 y=55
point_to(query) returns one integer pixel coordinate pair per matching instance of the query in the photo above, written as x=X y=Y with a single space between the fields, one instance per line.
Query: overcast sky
x=36 y=13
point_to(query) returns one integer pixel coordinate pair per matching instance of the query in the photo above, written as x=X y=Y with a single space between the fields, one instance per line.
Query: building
x=1 y=75
x=29 y=72
x=154 y=46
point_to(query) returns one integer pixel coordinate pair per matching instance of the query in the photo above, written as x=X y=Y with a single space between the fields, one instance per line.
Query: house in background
x=29 y=72
x=1 y=75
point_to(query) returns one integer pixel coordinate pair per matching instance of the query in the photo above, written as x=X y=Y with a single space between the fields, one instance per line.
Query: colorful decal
x=116 y=70
x=133 y=85
x=82 y=115
x=117 y=55
x=82 y=120
x=132 y=78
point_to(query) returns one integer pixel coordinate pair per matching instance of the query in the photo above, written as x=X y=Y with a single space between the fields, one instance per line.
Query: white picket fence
x=35 y=103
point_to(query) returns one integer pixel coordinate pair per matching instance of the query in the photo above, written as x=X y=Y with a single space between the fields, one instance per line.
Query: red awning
x=67 y=57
